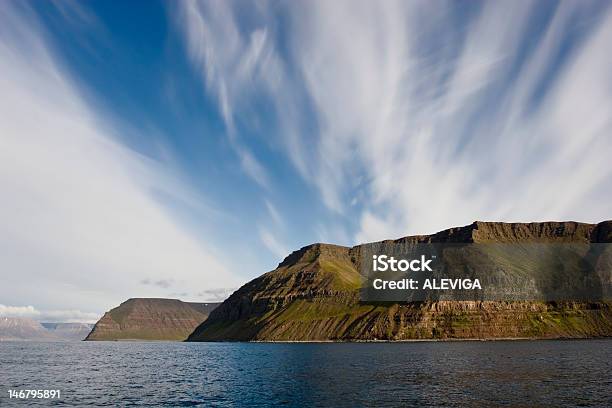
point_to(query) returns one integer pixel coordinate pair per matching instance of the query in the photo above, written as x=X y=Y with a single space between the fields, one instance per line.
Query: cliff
x=151 y=319
x=313 y=295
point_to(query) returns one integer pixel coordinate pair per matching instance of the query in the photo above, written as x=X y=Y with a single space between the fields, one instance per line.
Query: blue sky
x=179 y=149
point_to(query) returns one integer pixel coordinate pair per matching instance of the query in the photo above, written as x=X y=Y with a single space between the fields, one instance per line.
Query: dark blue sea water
x=449 y=374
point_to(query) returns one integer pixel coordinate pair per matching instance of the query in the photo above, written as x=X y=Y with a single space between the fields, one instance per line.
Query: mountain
x=313 y=295
x=69 y=331
x=151 y=319
x=23 y=329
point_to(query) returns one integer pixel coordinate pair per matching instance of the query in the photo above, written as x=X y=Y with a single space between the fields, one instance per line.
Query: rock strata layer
x=313 y=295
x=151 y=319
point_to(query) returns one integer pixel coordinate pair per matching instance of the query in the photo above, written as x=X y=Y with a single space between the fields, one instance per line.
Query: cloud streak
x=230 y=64
x=415 y=116
x=79 y=223
x=273 y=244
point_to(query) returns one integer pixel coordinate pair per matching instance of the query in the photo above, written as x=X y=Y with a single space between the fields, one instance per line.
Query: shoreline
x=496 y=339
x=414 y=340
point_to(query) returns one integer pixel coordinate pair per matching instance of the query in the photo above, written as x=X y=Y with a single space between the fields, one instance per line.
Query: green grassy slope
x=314 y=296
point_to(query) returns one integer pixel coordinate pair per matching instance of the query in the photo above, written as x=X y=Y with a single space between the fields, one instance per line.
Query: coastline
x=493 y=339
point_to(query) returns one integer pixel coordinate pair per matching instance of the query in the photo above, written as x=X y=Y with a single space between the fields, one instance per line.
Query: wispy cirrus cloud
x=271 y=230
x=80 y=223
x=415 y=116
x=273 y=243
x=230 y=64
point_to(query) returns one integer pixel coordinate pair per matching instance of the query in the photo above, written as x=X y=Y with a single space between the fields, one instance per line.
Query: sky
x=182 y=148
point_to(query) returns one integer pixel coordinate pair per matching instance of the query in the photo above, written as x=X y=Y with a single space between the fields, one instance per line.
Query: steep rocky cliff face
x=151 y=319
x=313 y=295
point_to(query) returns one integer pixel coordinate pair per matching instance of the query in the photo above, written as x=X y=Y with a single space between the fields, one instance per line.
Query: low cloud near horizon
x=49 y=316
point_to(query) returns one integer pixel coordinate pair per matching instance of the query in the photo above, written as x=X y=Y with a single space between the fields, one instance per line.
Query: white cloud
x=276 y=217
x=51 y=316
x=229 y=62
x=273 y=244
x=445 y=118
x=18 y=311
x=79 y=227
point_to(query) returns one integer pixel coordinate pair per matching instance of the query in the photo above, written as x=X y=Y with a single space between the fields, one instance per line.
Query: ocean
x=423 y=374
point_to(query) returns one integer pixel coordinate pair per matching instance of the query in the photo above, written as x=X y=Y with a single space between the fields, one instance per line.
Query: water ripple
x=454 y=374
